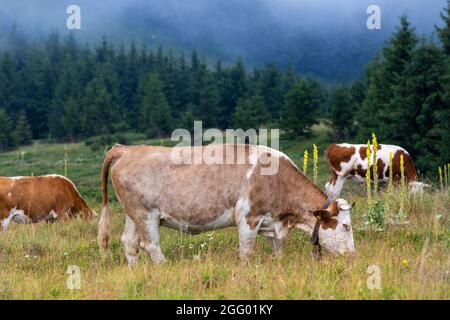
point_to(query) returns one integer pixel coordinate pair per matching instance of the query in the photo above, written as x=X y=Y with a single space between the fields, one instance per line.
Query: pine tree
x=300 y=109
x=444 y=32
x=425 y=105
x=383 y=77
x=155 y=115
x=269 y=86
x=6 y=133
x=251 y=112
x=341 y=112
x=22 y=132
x=98 y=114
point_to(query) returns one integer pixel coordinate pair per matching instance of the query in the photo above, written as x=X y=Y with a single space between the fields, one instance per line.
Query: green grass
x=413 y=256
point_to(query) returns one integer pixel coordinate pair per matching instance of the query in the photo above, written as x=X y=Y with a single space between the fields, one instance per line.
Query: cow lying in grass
x=350 y=161
x=45 y=198
x=154 y=191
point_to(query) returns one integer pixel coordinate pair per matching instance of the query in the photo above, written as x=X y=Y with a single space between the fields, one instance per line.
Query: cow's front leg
x=17 y=216
x=247 y=229
x=130 y=241
x=151 y=239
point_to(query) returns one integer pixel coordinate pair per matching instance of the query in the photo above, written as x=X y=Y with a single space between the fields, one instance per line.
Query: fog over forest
x=320 y=37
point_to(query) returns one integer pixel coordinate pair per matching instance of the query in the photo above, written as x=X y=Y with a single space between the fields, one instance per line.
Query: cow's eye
x=346 y=227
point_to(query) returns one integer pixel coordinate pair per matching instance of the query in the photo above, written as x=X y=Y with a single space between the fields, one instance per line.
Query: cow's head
x=335 y=228
x=416 y=187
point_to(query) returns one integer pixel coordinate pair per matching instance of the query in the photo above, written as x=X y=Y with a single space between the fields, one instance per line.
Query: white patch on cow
x=51 y=216
x=17 y=178
x=253 y=160
x=9 y=194
x=247 y=235
x=339 y=240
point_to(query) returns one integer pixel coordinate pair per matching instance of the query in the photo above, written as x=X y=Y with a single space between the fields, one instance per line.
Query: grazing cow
x=154 y=191
x=43 y=198
x=350 y=161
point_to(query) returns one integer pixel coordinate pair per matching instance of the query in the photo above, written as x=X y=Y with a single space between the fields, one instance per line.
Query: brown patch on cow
x=253 y=220
x=380 y=167
x=330 y=224
x=363 y=153
x=39 y=196
x=333 y=208
x=337 y=155
x=360 y=171
x=410 y=170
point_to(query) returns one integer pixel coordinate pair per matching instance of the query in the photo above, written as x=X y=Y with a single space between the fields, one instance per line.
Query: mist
x=314 y=36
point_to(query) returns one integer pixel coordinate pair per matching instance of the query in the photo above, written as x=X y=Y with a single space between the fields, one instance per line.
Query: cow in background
x=350 y=161
x=44 y=198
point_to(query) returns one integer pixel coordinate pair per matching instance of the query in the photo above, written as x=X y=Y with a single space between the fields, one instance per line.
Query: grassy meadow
x=412 y=251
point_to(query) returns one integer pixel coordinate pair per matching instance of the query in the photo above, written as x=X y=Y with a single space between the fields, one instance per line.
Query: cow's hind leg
x=130 y=241
x=276 y=244
x=150 y=240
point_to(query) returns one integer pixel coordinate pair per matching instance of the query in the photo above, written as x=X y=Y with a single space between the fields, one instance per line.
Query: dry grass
x=34 y=260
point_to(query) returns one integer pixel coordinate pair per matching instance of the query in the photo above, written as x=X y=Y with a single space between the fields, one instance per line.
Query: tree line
x=70 y=92
x=62 y=90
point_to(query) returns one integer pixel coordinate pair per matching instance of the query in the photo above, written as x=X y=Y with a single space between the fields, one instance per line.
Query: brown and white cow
x=40 y=198
x=154 y=191
x=350 y=161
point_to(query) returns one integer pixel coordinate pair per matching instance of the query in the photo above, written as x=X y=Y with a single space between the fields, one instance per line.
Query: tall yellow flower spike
x=402 y=171
x=440 y=177
x=316 y=162
x=375 y=165
x=368 y=155
x=305 y=162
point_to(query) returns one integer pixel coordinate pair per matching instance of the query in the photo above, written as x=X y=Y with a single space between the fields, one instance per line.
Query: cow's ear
x=333 y=208
x=322 y=214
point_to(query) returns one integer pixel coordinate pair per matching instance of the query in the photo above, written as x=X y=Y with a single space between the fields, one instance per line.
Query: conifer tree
x=155 y=115
x=300 y=109
x=6 y=131
x=341 y=112
x=444 y=31
x=250 y=112
x=22 y=132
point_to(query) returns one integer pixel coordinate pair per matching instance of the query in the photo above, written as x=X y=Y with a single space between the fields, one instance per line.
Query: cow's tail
x=104 y=233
